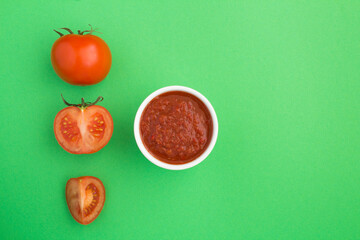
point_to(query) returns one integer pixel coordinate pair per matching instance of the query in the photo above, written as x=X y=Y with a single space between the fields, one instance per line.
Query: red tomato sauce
x=176 y=127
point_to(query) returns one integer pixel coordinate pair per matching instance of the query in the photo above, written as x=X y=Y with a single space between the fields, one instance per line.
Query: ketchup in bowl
x=176 y=127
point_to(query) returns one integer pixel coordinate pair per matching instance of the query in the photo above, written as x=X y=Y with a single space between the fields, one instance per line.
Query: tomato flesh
x=83 y=131
x=85 y=197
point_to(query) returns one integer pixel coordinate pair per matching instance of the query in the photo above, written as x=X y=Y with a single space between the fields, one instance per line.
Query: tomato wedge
x=85 y=197
x=83 y=128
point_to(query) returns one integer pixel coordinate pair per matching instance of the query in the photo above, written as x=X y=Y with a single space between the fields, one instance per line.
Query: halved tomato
x=85 y=197
x=83 y=128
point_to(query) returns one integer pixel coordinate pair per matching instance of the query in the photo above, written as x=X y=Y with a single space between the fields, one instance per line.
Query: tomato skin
x=81 y=193
x=83 y=121
x=81 y=59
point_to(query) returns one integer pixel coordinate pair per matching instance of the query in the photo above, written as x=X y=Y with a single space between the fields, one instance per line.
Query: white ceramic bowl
x=148 y=155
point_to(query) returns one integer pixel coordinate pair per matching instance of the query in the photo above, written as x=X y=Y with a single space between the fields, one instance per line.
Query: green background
x=283 y=77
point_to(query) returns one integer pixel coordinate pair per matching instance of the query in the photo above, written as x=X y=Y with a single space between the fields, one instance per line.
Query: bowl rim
x=148 y=155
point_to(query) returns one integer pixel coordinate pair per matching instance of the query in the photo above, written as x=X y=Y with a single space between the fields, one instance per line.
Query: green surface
x=283 y=77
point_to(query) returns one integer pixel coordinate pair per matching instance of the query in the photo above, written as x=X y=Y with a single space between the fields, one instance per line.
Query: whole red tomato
x=81 y=59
